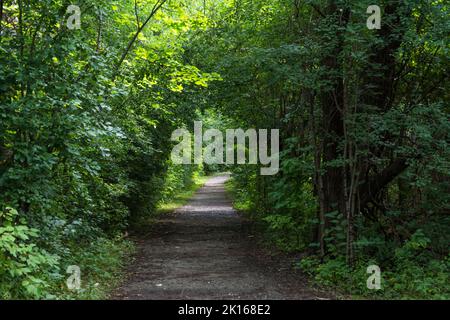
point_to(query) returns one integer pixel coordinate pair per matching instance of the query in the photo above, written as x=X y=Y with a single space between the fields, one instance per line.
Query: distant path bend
x=203 y=251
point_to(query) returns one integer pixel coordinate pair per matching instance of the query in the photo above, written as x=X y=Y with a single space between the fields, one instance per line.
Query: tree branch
x=1 y=15
x=136 y=13
x=155 y=9
x=316 y=7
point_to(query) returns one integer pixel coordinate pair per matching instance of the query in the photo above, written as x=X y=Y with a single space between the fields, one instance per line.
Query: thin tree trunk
x=318 y=180
x=1 y=16
x=99 y=31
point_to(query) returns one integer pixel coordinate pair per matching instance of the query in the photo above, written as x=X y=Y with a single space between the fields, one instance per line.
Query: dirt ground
x=204 y=251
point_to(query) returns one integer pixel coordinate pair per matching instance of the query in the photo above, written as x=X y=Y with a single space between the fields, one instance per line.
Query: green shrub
x=413 y=274
x=25 y=269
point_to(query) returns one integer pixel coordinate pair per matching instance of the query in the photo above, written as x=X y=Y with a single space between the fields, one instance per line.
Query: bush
x=413 y=273
x=25 y=269
x=101 y=263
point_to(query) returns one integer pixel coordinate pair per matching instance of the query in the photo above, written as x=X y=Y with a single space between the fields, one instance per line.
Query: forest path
x=204 y=251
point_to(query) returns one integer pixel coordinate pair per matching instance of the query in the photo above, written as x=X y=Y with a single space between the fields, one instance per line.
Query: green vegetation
x=86 y=117
x=102 y=265
x=28 y=271
x=176 y=193
x=364 y=131
x=413 y=274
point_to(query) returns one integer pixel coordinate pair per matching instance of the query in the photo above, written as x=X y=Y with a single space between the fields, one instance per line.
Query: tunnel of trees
x=87 y=112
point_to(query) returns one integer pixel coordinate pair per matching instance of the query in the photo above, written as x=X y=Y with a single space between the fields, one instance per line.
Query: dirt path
x=203 y=251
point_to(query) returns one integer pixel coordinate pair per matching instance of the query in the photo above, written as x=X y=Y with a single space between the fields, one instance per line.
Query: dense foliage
x=85 y=122
x=86 y=117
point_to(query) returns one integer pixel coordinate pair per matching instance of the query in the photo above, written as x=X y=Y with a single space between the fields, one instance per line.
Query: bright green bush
x=25 y=269
x=177 y=179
